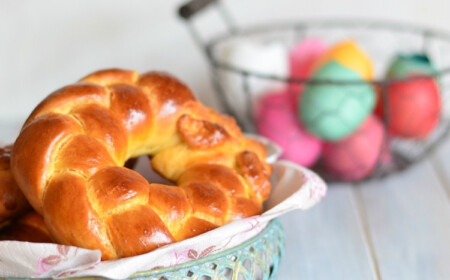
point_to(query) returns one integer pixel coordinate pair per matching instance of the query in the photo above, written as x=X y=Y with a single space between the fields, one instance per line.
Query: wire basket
x=381 y=40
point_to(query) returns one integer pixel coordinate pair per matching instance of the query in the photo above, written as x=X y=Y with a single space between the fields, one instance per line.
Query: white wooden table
x=396 y=228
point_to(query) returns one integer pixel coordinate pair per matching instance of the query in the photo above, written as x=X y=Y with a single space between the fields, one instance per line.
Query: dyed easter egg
x=350 y=55
x=414 y=104
x=414 y=107
x=333 y=111
x=407 y=64
x=356 y=156
x=276 y=119
x=266 y=58
x=302 y=56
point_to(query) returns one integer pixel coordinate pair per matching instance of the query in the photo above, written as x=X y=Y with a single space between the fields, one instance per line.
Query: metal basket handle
x=190 y=9
x=187 y=12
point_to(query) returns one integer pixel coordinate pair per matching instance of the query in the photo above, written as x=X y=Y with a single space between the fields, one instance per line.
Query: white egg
x=267 y=58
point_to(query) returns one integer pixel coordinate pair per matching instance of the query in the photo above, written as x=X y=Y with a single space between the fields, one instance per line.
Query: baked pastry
x=68 y=160
x=30 y=227
x=12 y=201
x=14 y=224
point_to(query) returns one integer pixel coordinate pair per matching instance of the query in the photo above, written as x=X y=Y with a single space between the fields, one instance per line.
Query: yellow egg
x=350 y=55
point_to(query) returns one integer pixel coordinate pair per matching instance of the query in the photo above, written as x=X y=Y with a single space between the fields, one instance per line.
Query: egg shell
x=302 y=56
x=350 y=55
x=356 y=156
x=276 y=119
x=333 y=111
x=404 y=65
x=414 y=107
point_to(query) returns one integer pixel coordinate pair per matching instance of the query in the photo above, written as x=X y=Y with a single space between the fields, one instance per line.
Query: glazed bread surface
x=69 y=157
x=29 y=227
x=12 y=200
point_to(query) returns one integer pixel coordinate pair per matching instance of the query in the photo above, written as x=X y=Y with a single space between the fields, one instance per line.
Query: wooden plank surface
x=408 y=219
x=441 y=163
x=327 y=241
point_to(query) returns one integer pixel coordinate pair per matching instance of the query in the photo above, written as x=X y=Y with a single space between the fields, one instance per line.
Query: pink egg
x=276 y=119
x=301 y=59
x=356 y=156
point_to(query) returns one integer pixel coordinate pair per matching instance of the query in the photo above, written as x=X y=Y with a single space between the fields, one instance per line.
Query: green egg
x=333 y=111
x=406 y=64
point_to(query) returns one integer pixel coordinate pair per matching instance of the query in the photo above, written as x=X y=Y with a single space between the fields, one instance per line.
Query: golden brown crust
x=171 y=203
x=101 y=124
x=111 y=77
x=168 y=92
x=244 y=207
x=69 y=157
x=131 y=105
x=254 y=172
x=70 y=217
x=12 y=200
x=200 y=133
x=33 y=153
x=62 y=99
x=86 y=155
x=137 y=231
x=225 y=178
x=195 y=226
x=207 y=200
x=30 y=228
x=114 y=186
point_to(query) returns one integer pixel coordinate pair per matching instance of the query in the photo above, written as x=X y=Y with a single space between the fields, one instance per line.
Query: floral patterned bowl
x=256 y=258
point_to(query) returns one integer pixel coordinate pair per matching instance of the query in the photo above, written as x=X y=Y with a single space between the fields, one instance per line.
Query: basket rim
x=426 y=32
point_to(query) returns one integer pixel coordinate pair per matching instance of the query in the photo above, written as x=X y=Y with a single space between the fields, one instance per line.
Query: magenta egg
x=356 y=156
x=276 y=119
x=302 y=57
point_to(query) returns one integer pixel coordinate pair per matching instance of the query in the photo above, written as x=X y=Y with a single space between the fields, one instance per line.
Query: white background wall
x=48 y=44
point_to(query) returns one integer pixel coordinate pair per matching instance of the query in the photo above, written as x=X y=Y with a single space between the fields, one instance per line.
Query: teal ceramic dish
x=256 y=258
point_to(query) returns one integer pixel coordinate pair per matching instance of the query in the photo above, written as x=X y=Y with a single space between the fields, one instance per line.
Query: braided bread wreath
x=68 y=160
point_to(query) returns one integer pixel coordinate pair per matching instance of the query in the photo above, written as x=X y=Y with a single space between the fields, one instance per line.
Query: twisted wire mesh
x=382 y=42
